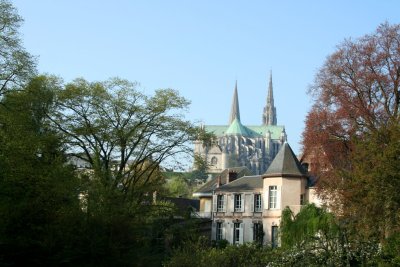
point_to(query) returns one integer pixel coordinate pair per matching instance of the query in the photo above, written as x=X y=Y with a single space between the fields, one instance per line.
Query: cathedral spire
x=235 y=114
x=269 y=114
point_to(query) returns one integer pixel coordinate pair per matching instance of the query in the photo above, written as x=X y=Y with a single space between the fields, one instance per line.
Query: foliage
x=352 y=134
x=355 y=92
x=123 y=134
x=375 y=179
x=314 y=235
x=200 y=254
x=17 y=66
x=178 y=186
x=200 y=171
x=38 y=189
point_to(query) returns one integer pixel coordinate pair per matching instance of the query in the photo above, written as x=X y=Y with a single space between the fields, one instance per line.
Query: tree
x=351 y=130
x=200 y=169
x=38 y=190
x=178 y=186
x=122 y=133
x=17 y=66
x=124 y=136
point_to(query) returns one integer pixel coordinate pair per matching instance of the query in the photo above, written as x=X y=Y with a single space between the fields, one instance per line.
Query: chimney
x=219 y=181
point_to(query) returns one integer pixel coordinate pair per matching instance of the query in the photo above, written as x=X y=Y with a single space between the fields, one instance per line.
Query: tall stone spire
x=235 y=107
x=269 y=114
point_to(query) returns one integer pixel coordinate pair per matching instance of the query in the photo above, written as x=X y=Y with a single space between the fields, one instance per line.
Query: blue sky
x=201 y=47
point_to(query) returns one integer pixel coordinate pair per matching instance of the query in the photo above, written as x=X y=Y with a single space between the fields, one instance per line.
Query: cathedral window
x=214 y=161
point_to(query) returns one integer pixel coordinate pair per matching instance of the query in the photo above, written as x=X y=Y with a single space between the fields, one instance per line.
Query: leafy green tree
x=38 y=189
x=124 y=136
x=122 y=133
x=315 y=233
x=178 y=186
x=374 y=182
x=200 y=170
x=17 y=66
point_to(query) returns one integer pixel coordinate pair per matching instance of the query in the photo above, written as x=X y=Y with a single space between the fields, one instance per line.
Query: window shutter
x=242 y=196
x=252 y=203
x=241 y=234
x=266 y=200
x=278 y=197
x=214 y=203
x=223 y=230
x=213 y=230
x=232 y=203
x=261 y=202
x=252 y=231
x=224 y=198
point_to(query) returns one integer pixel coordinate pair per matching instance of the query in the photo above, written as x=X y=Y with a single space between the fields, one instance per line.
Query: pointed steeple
x=269 y=114
x=235 y=114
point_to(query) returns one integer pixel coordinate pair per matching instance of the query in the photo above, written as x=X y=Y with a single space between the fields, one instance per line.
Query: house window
x=214 y=161
x=258 y=233
x=274 y=236
x=237 y=233
x=219 y=231
x=220 y=203
x=273 y=196
x=238 y=203
x=257 y=203
x=302 y=199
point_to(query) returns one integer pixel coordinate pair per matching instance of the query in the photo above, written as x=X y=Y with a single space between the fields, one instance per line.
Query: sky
x=200 y=48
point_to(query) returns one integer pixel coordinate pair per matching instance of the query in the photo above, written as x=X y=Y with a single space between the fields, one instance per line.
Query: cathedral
x=252 y=146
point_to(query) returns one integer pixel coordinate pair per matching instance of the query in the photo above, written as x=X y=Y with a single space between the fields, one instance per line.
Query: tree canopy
x=351 y=132
x=17 y=66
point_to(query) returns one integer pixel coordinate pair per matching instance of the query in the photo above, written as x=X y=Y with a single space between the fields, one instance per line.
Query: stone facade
x=249 y=208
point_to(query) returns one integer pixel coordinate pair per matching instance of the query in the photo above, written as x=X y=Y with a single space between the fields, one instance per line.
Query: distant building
x=238 y=145
x=248 y=208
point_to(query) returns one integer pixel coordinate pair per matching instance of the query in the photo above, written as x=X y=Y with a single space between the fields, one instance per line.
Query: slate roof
x=211 y=185
x=285 y=163
x=252 y=130
x=183 y=204
x=246 y=183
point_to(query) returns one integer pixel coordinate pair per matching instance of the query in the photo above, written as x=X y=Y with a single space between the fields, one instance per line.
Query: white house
x=249 y=208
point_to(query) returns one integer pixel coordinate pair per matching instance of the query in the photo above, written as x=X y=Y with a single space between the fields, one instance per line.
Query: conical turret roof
x=286 y=164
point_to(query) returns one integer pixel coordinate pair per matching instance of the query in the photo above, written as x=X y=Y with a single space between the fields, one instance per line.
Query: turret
x=269 y=114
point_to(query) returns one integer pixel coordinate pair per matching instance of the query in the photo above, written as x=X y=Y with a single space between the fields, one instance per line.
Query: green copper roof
x=285 y=163
x=253 y=131
x=236 y=128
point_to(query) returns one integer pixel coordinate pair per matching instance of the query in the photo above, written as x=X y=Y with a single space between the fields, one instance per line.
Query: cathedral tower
x=269 y=114
x=235 y=113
